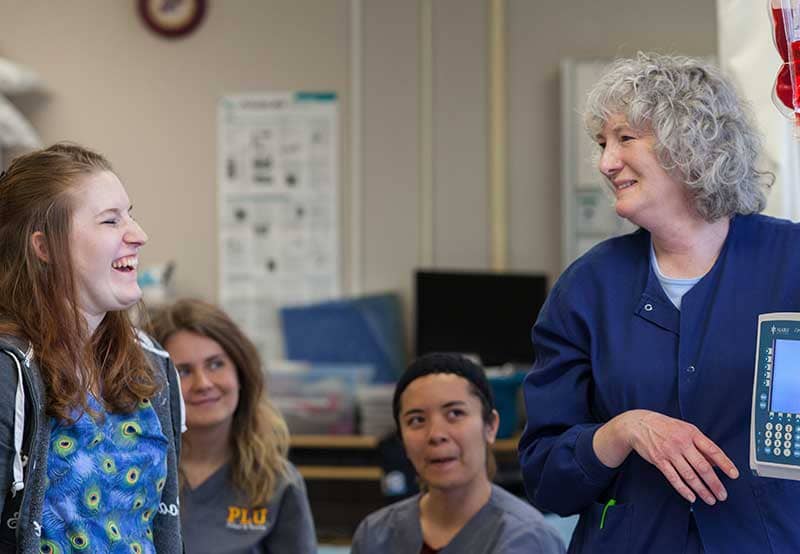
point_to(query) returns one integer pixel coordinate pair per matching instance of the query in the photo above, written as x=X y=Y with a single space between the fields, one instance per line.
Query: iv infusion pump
x=775 y=417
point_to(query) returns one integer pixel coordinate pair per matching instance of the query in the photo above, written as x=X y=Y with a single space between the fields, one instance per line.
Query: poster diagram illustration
x=278 y=207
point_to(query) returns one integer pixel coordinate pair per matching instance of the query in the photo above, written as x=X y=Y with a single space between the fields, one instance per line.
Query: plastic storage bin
x=319 y=400
x=375 y=403
x=505 y=388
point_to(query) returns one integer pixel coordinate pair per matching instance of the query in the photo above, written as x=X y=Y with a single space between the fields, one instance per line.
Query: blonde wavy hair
x=259 y=436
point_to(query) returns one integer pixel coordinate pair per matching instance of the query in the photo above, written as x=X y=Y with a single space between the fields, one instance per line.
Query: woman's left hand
x=677 y=448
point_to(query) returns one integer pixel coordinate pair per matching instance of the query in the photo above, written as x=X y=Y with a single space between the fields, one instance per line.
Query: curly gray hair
x=704 y=132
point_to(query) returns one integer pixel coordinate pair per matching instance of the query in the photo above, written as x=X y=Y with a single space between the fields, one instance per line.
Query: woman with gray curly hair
x=639 y=398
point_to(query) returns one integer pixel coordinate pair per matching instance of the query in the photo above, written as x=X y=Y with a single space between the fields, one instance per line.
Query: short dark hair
x=455 y=364
x=440 y=362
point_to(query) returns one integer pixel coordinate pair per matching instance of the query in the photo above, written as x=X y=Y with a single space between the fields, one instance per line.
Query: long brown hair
x=259 y=437
x=38 y=299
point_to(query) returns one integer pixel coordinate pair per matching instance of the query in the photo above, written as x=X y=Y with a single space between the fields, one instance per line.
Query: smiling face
x=444 y=433
x=209 y=381
x=645 y=193
x=104 y=245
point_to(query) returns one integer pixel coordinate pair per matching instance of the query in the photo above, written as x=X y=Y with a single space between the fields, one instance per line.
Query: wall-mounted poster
x=277 y=176
x=587 y=207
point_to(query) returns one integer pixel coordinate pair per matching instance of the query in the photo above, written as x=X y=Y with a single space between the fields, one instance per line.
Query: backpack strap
x=18 y=482
x=149 y=344
x=13 y=500
x=173 y=380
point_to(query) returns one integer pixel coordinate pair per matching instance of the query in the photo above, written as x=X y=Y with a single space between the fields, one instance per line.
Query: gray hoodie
x=167 y=403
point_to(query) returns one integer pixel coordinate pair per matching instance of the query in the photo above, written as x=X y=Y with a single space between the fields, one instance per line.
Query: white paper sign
x=277 y=179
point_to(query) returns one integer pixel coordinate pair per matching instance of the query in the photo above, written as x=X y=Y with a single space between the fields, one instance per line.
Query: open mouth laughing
x=126 y=264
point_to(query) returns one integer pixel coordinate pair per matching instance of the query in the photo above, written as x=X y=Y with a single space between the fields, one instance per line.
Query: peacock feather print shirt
x=105 y=476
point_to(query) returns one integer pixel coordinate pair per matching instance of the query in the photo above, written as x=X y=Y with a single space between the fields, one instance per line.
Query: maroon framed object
x=172 y=18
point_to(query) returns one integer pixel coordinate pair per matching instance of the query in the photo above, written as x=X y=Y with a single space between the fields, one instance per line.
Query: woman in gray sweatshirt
x=239 y=493
x=444 y=410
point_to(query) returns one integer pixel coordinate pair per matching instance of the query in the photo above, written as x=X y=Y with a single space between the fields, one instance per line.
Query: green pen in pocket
x=611 y=502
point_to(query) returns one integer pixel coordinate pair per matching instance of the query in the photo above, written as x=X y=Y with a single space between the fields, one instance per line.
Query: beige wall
x=150 y=105
x=540 y=35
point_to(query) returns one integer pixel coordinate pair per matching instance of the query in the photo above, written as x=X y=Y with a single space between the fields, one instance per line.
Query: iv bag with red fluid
x=785 y=18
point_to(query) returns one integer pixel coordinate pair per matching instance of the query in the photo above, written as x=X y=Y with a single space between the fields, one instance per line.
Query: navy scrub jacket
x=609 y=340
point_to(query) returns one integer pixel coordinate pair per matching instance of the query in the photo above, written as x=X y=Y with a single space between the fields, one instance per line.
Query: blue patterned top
x=104 y=482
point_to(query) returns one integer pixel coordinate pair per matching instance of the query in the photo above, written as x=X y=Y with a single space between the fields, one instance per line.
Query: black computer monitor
x=489 y=314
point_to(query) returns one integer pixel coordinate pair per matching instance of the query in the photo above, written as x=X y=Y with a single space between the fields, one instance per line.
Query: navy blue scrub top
x=608 y=340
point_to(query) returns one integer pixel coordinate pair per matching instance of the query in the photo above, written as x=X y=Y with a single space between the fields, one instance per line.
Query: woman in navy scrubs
x=639 y=399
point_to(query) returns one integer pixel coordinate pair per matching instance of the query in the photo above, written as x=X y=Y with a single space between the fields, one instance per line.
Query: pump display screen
x=786 y=377
x=775 y=416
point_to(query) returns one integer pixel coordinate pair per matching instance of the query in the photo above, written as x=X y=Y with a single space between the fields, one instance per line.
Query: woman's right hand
x=678 y=449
